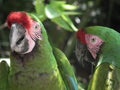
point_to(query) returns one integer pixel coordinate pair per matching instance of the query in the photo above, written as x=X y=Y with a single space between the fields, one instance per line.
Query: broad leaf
x=69 y=21
x=52 y=12
x=62 y=23
x=69 y=7
x=40 y=9
x=58 y=12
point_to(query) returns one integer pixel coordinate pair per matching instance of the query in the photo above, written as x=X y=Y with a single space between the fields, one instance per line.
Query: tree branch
x=3 y=26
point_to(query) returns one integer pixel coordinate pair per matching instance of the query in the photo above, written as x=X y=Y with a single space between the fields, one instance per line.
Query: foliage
x=57 y=12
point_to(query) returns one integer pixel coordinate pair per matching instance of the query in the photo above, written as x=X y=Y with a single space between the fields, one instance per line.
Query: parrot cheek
x=93 y=53
x=30 y=43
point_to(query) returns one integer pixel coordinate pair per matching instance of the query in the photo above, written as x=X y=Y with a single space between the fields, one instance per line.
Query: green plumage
x=45 y=68
x=4 y=70
x=107 y=72
x=66 y=70
x=106 y=77
x=110 y=49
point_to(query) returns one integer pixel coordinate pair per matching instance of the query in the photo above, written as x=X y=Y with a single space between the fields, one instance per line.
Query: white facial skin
x=32 y=35
x=93 y=43
x=22 y=41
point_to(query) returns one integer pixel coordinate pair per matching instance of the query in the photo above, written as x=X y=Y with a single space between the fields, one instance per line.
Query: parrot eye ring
x=37 y=26
x=93 y=39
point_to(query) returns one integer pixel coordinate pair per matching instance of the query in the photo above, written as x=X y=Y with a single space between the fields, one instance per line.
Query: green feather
x=4 y=70
x=106 y=77
x=39 y=69
x=107 y=72
x=66 y=70
x=111 y=47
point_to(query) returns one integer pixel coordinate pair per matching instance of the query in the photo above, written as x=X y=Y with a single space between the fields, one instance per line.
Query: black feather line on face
x=82 y=53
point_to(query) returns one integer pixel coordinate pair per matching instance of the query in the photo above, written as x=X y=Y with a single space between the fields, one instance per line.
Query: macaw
x=35 y=64
x=103 y=44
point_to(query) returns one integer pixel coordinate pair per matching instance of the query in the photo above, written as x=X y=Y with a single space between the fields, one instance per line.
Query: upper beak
x=17 y=35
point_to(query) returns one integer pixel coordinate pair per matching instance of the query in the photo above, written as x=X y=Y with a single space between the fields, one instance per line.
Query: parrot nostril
x=20 y=40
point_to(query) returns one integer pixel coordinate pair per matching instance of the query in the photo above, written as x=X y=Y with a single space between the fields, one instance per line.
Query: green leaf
x=58 y=8
x=70 y=13
x=59 y=15
x=39 y=6
x=51 y=12
x=40 y=9
x=58 y=3
x=59 y=21
x=64 y=6
x=70 y=23
x=69 y=7
x=65 y=22
x=58 y=12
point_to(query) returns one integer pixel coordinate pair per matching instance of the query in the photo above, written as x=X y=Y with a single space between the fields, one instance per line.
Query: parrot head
x=92 y=42
x=24 y=32
x=100 y=42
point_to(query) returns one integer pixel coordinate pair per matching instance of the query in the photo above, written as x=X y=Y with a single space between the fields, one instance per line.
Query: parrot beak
x=18 y=42
x=82 y=53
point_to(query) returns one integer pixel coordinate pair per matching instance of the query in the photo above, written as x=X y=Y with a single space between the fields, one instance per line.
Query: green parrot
x=104 y=46
x=35 y=65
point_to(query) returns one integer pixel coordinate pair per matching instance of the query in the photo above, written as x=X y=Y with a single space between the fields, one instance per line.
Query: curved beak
x=17 y=38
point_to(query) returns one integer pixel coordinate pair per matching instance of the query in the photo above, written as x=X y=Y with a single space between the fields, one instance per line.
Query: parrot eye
x=93 y=40
x=37 y=27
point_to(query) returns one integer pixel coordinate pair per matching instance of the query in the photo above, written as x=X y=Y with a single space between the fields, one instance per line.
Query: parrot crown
x=81 y=36
x=19 y=17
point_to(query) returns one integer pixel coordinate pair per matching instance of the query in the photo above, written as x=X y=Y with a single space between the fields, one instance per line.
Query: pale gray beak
x=18 y=42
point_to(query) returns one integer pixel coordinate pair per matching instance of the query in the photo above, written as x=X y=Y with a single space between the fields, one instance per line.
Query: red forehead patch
x=19 y=17
x=81 y=36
